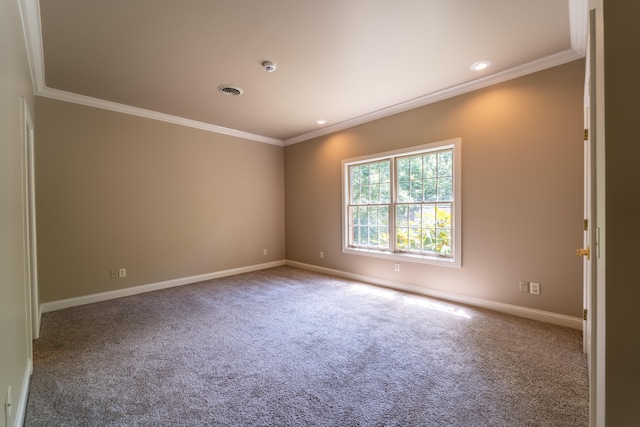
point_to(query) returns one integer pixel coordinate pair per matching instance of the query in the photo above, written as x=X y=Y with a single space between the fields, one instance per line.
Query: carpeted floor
x=288 y=347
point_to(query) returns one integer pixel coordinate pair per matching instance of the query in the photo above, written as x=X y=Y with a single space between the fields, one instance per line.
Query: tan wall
x=622 y=91
x=521 y=190
x=15 y=82
x=161 y=200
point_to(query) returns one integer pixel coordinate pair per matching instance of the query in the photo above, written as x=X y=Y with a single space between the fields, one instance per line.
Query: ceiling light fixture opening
x=321 y=122
x=480 y=65
x=230 y=90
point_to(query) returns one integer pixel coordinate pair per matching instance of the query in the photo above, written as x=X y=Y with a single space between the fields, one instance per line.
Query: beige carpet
x=287 y=347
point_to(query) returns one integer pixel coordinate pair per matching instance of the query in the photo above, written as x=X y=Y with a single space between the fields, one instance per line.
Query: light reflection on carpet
x=409 y=299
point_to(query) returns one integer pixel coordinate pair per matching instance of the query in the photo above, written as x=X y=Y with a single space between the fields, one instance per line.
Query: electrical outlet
x=7 y=403
x=534 y=288
x=264 y=252
x=113 y=274
x=321 y=255
x=122 y=272
x=524 y=286
x=396 y=266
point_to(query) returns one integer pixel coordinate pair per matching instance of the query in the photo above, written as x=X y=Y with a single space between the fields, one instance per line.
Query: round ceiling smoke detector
x=230 y=90
x=269 y=66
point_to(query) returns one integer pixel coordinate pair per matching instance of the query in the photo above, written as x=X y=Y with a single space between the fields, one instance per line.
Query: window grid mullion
x=393 y=234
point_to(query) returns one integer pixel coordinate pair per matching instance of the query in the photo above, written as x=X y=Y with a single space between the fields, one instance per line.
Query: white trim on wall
x=135 y=290
x=522 y=70
x=578 y=17
x=21 y=409
x=529 y=313
x=149 y=114
x=33 y=35
x=29 y=224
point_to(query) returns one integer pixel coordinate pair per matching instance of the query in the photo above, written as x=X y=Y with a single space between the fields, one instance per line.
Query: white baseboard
x=21 y=408
x=529 y=313
x=119 y=293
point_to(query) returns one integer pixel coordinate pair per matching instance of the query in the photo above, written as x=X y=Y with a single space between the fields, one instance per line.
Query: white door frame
x=597 y=307
x=29 y=203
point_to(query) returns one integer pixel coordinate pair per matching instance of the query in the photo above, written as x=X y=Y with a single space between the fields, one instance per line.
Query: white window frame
x=455 y=260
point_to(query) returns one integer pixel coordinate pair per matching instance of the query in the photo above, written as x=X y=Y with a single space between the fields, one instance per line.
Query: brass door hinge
x=584 y=314
x=586 y=224
x=586 y=134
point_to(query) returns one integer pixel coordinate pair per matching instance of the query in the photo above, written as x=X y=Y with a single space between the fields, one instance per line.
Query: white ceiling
x=346 y=61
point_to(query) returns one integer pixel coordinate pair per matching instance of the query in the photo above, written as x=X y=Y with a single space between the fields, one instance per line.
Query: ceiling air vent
x=230 y=90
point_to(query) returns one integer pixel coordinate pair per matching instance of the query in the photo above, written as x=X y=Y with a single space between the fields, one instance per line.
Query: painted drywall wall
x=622 y=91
x=15 y=82
x=161 y=200
x=521 y=190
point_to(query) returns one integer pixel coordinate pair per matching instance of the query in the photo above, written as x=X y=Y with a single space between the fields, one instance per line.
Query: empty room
x=340 y=213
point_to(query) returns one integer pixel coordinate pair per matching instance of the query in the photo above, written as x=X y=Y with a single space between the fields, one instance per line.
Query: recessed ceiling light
x=480 y=65
x=321 y=122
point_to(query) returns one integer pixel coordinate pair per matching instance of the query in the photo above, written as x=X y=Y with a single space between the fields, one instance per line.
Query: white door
x=591 y=251
x=589 y=246
x=589 y=204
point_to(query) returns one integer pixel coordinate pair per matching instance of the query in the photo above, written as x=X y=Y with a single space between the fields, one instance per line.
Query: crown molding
x=578 y=19
x=522 y=70
x=30 y=15
x=149 y=114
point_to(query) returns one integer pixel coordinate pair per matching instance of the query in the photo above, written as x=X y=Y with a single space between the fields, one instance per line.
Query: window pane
x=430 y=188
x=445 y=189
x=364 y=174
x=354 y=174
x=430 y=165
x=415 y=215
x=372 y=212
x=373 y=236
x=416 y=191
x=385 y=193
x=429 y=240
x=428 y=216
x=402 y=238
x=402 y=215
x=445 y=164
x=362 y=216
x=374 y=195
x=355 y=194
x=374 y=176
x=385 y=171
x=383 y=238
x=364 y=236
x=416 y=168
x=364 y=194
x=403 y=169
x=443 y=215
x=403 y=191
x=443 y=242
x=415 y=239
x=383 y=216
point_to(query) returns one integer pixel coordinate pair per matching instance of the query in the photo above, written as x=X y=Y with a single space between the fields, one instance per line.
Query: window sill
x=407 y=257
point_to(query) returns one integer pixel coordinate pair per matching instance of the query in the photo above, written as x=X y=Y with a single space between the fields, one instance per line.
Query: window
x=405 y=204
